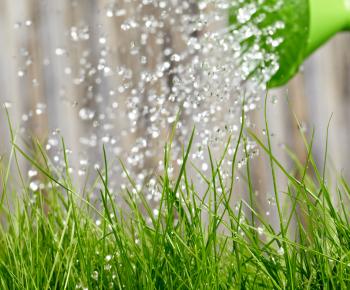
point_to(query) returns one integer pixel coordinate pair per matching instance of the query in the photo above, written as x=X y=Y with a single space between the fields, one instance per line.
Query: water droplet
x=32 y=173
x=20 y=73
x=246 y=12
x=175 y=57
x=102 y=40
x=260 y=230
x=120 y=12
x=67 y=70
x=7 y=105
x=109 y=13
x=17 y=25
x=271 y=201
x=94 y=275
x=40 y=108
x=60 y=51
x=34 y=186
x=204 y=167
x=280 y=251
x=86 y=114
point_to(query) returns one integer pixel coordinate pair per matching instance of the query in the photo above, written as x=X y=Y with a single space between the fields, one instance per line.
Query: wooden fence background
x=31 y=73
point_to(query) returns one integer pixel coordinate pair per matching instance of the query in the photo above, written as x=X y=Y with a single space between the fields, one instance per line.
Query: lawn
x=56 y=238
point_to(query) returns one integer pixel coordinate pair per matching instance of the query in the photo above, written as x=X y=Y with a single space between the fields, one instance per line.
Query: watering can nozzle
x=308 y=24
x=316 y=22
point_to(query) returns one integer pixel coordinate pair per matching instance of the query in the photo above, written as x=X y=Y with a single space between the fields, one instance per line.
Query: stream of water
x=172 y=63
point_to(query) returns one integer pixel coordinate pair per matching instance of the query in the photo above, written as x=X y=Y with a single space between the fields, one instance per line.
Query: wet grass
x=191 y=240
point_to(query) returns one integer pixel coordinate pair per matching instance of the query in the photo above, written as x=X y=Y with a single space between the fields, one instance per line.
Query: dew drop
x=280 y=251
x=94 y=275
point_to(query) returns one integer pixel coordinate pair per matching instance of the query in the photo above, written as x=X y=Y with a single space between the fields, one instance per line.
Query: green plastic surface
x=295 y=15
x=308 y=25
x=327 y=17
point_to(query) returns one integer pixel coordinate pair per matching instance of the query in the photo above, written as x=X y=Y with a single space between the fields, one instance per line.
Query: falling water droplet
x=60 y=51
x=86 y=114
x=32 y=173
x=7 y=105
x=34 y=186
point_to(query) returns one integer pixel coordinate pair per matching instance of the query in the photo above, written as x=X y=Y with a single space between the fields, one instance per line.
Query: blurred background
x=43 y=87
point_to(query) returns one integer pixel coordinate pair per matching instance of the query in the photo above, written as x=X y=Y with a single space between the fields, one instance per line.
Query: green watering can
x=307 y=25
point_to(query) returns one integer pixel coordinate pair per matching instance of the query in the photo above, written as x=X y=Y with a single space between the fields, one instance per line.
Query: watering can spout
x=308 y=24
x=315 y=22
x=327 y=17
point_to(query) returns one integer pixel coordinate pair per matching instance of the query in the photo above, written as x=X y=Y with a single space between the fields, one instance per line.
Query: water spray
x=131 y=80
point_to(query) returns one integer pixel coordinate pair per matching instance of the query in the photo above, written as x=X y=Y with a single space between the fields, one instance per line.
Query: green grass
x=197 y=241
